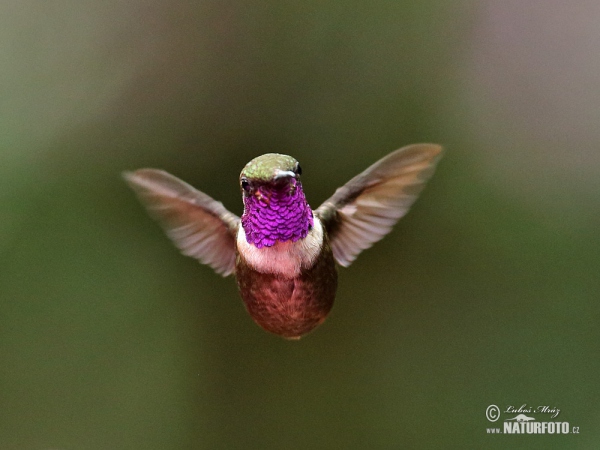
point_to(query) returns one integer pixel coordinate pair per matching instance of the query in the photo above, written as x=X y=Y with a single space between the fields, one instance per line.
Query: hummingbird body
x=282 y=252
x=285 y=273
x=289 y=298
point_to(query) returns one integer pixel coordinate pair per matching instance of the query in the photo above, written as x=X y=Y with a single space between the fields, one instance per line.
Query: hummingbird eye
x=298 y=169
x=245 y=185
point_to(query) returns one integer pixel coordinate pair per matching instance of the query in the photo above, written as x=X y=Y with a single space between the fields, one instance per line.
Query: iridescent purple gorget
x=277 y=213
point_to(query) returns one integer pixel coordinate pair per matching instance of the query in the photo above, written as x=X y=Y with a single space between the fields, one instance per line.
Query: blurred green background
x=486 y=293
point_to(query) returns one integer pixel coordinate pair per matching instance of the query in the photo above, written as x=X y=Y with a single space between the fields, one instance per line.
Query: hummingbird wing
x=198 y=225
x=366 y=208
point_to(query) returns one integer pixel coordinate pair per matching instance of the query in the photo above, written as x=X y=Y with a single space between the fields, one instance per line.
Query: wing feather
x=366 y=208
x=198 y=225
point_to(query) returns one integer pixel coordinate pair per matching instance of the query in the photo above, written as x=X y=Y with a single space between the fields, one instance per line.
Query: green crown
x=263 y=167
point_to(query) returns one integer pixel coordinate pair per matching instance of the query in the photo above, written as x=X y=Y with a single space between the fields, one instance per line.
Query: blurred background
x=486 y=293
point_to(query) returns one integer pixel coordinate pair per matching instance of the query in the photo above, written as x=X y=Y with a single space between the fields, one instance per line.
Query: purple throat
x=276 y=214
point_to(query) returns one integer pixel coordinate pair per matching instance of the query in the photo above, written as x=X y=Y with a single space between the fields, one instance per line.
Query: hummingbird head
x=275 y=208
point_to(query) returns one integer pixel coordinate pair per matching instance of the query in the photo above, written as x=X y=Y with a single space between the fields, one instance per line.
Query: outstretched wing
x=366 y=208
x=198 y=225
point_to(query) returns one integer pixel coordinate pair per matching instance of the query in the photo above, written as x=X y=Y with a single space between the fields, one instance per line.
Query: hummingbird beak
x=284 y=173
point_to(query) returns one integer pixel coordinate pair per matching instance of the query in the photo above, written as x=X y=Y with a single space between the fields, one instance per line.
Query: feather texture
x=366 y=208
x=198 y=225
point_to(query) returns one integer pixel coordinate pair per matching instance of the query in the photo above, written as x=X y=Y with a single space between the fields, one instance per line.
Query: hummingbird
x=282 y=252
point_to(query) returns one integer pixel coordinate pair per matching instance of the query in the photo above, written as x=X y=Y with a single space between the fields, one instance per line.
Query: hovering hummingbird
x=282 y=252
